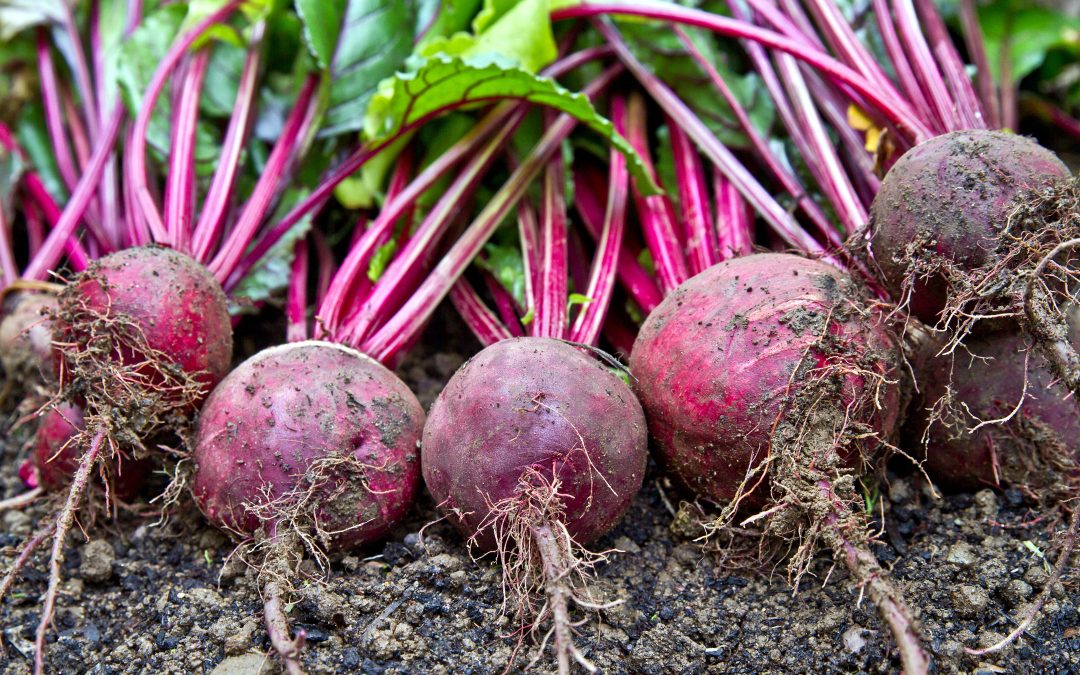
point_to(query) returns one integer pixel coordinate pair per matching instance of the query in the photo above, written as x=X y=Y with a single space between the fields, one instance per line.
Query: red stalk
x=550 y=318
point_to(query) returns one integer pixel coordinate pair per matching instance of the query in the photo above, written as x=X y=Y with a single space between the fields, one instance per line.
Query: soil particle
x=970 y=601
x=961 y=554
x=97 y=561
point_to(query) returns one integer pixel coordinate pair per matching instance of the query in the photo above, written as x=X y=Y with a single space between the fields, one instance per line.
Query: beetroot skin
x=944 y=203
x=56 y=456
x=542 y=404
x=26 y=337
x=990 y=383
x=274 y=419
x=715 y=364
x=174 y=302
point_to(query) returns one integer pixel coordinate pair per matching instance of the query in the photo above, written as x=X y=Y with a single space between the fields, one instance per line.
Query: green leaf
x=322 y=27
x=577 y=299
x=438 y=18
x=11 y=169
x=19 y=15
x=35 y=140
x=111 y=24
x=1029 y=32
x=504 y=262
x=440 y=83
x=376 y=38
x=382 y=257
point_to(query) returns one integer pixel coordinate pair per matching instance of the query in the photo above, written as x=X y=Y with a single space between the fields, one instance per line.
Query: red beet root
x=307 y=444
x=775 y=357
x=534 y=449
x=26 y=338
x=944 y=203
x=997 y=377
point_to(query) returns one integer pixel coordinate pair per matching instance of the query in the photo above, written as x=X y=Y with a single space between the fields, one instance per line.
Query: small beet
x=943 y=205
x=26 y=336
x=535 y=449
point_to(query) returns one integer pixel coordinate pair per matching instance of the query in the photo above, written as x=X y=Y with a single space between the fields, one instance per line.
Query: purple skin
x=714 y=362
x=529 y=403
x=175 y=301
x=953 y=194
x=56 y=456
x=26 y=337
x=991 y=389
x=289 y=406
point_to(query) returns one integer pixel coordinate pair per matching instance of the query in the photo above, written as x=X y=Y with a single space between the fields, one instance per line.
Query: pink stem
x=54 y=121
x=976 y=47
x=777 y=217
x=694 y=198
x=82 y=72
x=395 y=284
x=180 y=182
x=902 y=65
x=266 y=189
x=634 y=279
x=7 y=252
x=529 y=239
x=897 y=111
x=655 y=214
x=587 y=325
x=208 y=230
x=764 y=154
x=550 y=319
x=57 y=240
x=966 y=100
x=734 y=221
x=142 y=198
x=841 y=37
x=481 y=321
x=925 y=66
x=504 y=304
x=296 y=299
x=406 y=323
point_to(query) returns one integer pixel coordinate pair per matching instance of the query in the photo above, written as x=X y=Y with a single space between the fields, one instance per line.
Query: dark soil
x=167 y=599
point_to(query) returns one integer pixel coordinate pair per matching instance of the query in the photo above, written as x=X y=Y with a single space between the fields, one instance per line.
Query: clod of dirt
x=97 y=561
x=961 y=554
x=252 y=663
x=970 y=601
x=1016 y=592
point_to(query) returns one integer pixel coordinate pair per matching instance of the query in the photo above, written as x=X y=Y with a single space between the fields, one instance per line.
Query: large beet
x=943 y=204
x=721 y=360
x=302 y=416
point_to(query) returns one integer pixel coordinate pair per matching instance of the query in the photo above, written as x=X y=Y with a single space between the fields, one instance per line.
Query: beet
x=26 y=338
x=163 y=312
x=779 y=358
x=719 y=361
x=535 y=449
x=310 y=444
x=989 y=381
x=944 y=204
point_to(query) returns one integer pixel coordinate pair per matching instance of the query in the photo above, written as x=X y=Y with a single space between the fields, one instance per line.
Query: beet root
x=996 y=414
x=307 y=445
x=26 y=335
x=534 y=449
x=766 y=380
x=942 y=209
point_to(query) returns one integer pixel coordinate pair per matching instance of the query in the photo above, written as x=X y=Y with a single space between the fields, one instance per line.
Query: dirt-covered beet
x=995 y=414
x=26 y=337
x=534 y=403
x=309 y=416
x=533 y=450
x=769 y=382
x=720 y=360
x=305 y=447
x=162 y=312
x=943 y=205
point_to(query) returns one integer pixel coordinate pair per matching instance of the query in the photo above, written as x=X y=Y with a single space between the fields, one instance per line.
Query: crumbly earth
x=167 y=599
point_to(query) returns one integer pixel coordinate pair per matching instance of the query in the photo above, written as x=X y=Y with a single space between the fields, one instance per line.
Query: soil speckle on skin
x=176 y=602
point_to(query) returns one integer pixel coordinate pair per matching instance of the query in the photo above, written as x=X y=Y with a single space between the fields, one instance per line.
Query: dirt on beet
x=169 y=599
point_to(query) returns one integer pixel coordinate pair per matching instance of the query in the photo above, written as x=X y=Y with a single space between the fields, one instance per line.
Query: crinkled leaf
x=376 y=37
x=19 y=15
x=441 y=83
x=520 y=32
